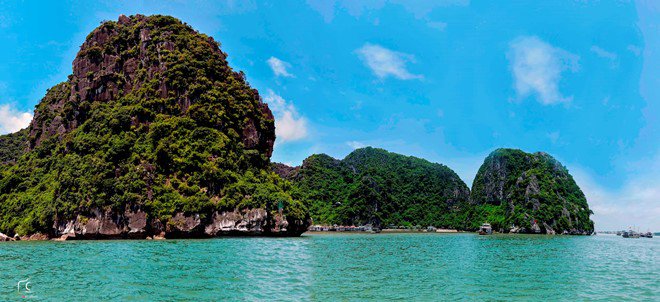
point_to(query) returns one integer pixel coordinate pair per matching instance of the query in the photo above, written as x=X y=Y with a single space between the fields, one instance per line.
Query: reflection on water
x=337 y=267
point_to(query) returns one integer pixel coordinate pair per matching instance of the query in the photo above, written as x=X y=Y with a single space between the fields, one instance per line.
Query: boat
x=630 y=234
x=647 y=235
x=485 y=229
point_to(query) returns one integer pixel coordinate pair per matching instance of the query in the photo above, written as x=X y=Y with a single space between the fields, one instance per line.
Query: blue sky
x=448 y=81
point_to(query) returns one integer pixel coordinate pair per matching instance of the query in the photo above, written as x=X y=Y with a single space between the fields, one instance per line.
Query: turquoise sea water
x=336 y=267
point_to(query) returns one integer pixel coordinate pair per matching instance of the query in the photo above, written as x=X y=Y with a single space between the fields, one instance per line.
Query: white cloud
x=419 y=9
x=603 y=53
x=289 y=125
x=384 y=62
x=610 y=56
x=279 y=67
x=356 y=144
x=441 y=26
x=635 y=50
x=635 y=204
x=12 y=120
x=537 y=68
x=553 y=136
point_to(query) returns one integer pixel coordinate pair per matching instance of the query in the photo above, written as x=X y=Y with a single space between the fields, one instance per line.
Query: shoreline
x=389 y=231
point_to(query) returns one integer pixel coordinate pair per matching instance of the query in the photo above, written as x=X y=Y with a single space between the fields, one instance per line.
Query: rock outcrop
x=285 y=171
x=133 y=225
x=4 y=237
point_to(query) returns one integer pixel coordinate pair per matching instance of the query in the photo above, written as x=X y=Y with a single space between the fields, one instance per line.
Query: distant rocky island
x=516 y=192
x=153 y=135
x=373 y=186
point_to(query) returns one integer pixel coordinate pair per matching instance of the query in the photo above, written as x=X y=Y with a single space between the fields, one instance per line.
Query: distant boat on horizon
x=630 y=234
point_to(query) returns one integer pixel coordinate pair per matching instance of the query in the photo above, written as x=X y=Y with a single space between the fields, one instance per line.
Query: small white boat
x=485 y=229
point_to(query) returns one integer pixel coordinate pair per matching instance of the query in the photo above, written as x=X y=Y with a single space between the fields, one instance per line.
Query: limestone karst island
x=153 y=134
x=329 y=151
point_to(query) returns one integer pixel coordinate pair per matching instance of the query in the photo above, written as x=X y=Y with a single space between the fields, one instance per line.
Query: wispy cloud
x=635 y=49
x=553 y=136
x=356 y=144
x=289 y=125
x=12 y=120
x=537 y=67
x=441 y=26
x=610 y=56
x=603 y=53
x=384 y=62
x=279 y=67
x=420 y=9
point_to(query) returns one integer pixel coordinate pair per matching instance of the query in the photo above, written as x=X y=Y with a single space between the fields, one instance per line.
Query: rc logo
x=22 y=287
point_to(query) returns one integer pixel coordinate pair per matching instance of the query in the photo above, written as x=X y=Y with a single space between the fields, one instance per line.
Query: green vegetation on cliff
x=152 y=118
x=375 y=186
x=533 y=192
x=12 y=146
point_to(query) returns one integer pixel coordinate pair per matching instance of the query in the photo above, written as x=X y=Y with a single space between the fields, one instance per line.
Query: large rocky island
x=153 y=134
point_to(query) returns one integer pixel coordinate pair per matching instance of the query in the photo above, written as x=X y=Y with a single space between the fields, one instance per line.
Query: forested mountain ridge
x=373 y=186
x=513 y=190
x=152 y=133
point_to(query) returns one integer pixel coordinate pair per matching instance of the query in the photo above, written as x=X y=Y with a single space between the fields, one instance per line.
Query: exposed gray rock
x=246 y=221
x=535 y=228
x=35 y=237
x=108 y=224
x=548 y=229
x=4 y=237
x=184 y=225
x=137 y=223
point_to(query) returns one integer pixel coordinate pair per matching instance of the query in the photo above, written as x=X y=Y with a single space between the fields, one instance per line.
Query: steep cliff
x=528 y=193
x=378 y=187
x=152 y=133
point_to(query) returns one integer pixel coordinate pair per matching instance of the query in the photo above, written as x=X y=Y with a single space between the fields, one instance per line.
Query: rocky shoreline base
x=136 y=225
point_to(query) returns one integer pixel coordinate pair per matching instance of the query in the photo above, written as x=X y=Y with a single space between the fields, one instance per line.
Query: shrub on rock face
x=529 y=193
x=152 y=119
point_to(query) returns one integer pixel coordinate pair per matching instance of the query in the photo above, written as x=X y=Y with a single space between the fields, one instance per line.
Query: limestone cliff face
x=152 y=134
x=137 y=225
x=529 y=193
